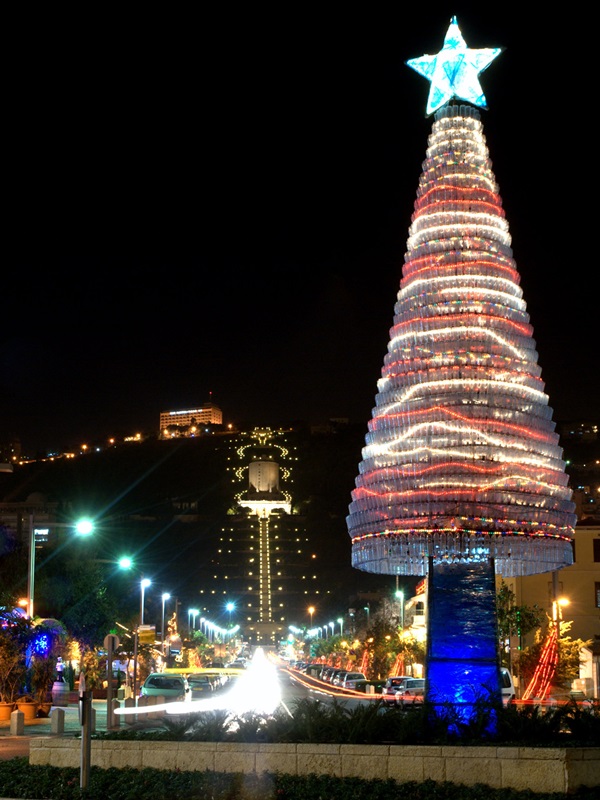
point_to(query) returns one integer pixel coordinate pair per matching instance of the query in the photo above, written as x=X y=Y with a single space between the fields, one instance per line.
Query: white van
x=507 y=685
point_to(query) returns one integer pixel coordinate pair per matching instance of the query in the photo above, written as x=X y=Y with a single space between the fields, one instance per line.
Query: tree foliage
x=513 y=620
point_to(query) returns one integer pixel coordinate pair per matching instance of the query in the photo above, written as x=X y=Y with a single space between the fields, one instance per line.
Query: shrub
x=19 y=779
x=315 y=722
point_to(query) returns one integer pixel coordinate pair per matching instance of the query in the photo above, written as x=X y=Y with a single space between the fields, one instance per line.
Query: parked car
x=171 y=687
x=338 y=676
x=313 y=670
x=351 y=679
x=200 y=686
x=237 y=664
x=507 y=686
x=218 y=678
x=392 y=686
x=374 y=687
x=412 y=691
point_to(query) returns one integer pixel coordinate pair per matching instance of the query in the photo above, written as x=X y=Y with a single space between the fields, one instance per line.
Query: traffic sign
x=147 y=634
x=111 y=642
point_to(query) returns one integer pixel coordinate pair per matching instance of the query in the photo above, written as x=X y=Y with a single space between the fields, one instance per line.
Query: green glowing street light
x=126 y=562
x=84 y=527
x=165 y=596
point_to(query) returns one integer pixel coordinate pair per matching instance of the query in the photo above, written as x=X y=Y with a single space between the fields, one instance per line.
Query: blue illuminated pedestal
x=462 y=654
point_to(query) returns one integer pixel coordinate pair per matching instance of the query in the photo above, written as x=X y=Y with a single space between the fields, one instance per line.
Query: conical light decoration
x=461 y=462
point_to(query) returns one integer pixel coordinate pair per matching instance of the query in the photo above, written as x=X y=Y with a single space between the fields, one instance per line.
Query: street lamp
x=311 y=611
x=230 y=606
x=325 y=628
x=341 y=621
x=557 y=604
x=165 y=596
x=400 y=599
x=192 y=614
x=367 y=608
x=83 y=527
x=557 y=616
x=144 y=583
x=332 y=626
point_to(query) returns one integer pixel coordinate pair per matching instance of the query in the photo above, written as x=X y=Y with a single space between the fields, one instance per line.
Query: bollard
x=130 y=703
x=17 y=723
x=142 y=702
x=152 y=701
x=115 y=720
x=57 y=721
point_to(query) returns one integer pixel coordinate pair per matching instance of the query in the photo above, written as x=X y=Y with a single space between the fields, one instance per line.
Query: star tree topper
x=454 y=71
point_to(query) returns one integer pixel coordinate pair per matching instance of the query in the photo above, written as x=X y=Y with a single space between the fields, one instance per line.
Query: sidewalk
x=42 y=726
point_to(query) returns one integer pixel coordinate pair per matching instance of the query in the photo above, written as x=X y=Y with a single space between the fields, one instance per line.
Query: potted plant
x=12 y=671
x=90 y=666
x=26 y=703
x=41 y=677
x=69 y=679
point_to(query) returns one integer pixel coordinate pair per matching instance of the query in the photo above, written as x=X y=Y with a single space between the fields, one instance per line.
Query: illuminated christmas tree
x=462 y=473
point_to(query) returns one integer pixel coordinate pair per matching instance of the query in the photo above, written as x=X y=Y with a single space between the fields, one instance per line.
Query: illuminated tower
x=266 y=561
x=264 y=498
x=461 y=474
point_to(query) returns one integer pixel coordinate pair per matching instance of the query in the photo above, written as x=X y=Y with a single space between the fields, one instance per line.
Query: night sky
x=218 y=205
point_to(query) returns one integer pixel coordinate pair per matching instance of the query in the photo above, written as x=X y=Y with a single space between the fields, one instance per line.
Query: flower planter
x=44 y=709
x=6 y=710
x=29 y=709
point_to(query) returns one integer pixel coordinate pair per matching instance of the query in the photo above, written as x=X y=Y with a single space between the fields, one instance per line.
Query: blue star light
x=454 y=71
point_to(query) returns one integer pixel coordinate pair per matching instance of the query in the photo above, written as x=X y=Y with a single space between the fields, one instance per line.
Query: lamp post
x=230 y=606
x=144 y=583
x=192 y=614
x=332 y=626
x=325 y=628
x=341 y=621
x=400 y=599
x=83 y=527
x=367 y=608
x=311 y=611
x=557 y=604
x=165 y=596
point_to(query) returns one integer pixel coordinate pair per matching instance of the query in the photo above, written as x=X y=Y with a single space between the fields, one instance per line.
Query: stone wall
x=535 y=768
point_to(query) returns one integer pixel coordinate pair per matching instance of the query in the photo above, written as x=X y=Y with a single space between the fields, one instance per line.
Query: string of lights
x=461 y=459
